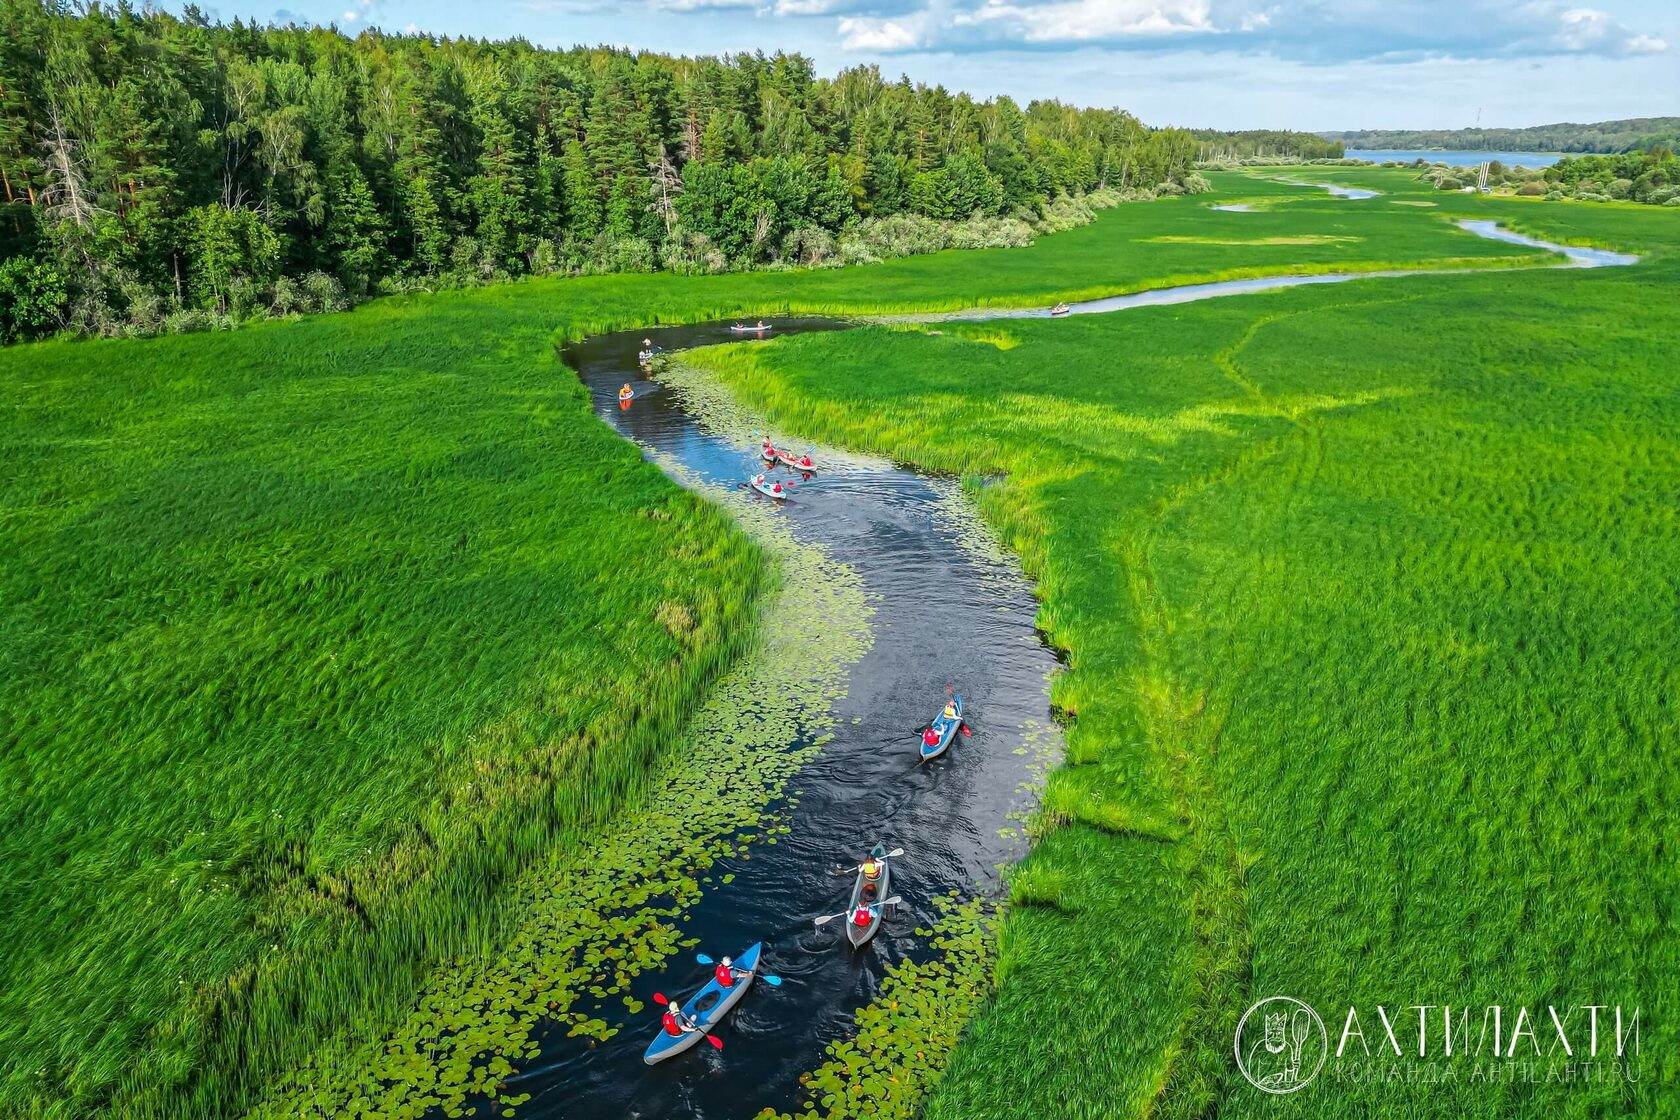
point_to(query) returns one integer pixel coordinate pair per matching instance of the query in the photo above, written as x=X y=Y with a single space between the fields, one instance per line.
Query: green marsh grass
x=1367 y=593
x=314 y=635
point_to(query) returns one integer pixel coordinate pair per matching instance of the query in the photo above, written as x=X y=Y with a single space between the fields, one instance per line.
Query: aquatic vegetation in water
x=900 y=1042
x=602 y=915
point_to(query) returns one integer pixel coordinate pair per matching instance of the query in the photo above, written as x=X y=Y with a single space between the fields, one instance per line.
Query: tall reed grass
x=1367 y=594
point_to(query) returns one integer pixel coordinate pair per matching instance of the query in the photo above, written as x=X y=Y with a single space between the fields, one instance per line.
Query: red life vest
x=725 y=976
x=671 y=1024
x=863 y=917
x=930 y=737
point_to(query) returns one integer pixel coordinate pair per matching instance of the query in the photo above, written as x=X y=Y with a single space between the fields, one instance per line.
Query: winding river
x=948 y=610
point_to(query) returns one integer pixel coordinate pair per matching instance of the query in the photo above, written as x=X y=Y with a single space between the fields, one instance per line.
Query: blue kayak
x=708 y=1007
x=947 y=727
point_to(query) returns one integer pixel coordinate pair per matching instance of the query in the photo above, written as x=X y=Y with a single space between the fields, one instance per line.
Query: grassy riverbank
x=317 y=633
x=1368 y=596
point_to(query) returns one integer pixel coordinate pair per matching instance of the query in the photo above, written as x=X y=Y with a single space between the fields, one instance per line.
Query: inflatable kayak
x=797 y=462
x=867 y=893
x=947 y=727
x=1059 y=310
x=759 y=329
x=708 y=1007
x=768 y=488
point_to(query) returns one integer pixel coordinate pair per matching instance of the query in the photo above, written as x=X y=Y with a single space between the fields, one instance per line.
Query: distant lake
x=1459 y=158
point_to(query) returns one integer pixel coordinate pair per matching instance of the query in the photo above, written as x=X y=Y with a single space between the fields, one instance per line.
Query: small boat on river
x=868 y=896
x=768 y=488
x=945 y=729
x=760 y=328
x=1059 y=310
x=706 y=1009
x=797 y=462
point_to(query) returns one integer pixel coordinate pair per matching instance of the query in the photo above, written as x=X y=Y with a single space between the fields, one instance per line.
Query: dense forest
x=1215 y=147
x=164 y=172
x=1605 y=136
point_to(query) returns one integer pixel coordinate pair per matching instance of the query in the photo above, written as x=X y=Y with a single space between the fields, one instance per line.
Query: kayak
x=708 y=1007
x=855 y=933
x=1059 y=310
x=788 y=459
x=767 y=488
x=760 y=329
x=947 y=726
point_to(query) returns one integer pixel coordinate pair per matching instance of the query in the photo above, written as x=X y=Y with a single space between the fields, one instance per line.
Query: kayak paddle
x=773 y=981
x=894 y=854
x=893 y=901
x=659 y=1001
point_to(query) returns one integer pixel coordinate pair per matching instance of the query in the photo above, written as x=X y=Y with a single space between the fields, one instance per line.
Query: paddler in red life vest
x=805 y=461
x=863 y=916
x=777 y=488
x=725 y=973
x=930 y=737
x=675 y=1021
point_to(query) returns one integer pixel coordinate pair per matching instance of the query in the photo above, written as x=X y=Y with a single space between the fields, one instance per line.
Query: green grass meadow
x=1368 y=593
x=313 y=635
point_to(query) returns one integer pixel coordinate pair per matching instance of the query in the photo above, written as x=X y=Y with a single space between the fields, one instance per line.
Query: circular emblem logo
x=1281 y=1045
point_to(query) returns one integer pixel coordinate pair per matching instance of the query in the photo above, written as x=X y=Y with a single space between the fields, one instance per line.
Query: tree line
x=1635 y=134
x=158 y=167
x=1256 y=145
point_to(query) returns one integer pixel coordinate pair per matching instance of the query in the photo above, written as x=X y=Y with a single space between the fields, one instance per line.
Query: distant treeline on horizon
x=155 y=165
x=1638 y=134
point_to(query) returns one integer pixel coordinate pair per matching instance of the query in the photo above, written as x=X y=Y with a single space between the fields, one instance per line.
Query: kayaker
x=626 y=391
x=930 y=737
x=951 y=710
x=805 y=462
x=863 y=916
x=725 y=974
x=871 y=869
x=777 y=488
x=675 y=1022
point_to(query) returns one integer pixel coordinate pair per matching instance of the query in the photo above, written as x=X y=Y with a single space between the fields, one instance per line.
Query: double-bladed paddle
x=893 y=901
x=894 y=854
x=773 y=981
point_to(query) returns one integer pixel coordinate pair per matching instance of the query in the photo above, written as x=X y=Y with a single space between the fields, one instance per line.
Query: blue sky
x=1312 y=64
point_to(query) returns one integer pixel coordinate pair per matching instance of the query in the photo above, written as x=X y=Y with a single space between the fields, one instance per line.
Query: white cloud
x=1084 y=21
x=1311 y=30
x=886 y=35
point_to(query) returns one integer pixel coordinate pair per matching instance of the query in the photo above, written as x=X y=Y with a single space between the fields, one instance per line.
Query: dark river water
x=944 y=614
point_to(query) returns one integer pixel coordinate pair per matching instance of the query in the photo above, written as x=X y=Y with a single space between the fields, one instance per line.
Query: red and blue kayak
x=706 y=1009
x=947 y=727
